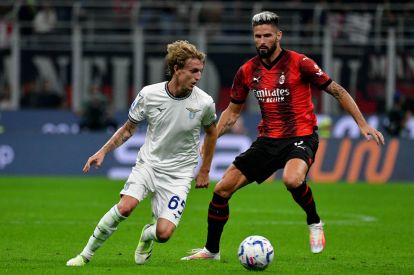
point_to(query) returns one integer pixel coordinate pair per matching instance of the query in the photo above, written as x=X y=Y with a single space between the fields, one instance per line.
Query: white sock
x=150 y=233
x=106 y=226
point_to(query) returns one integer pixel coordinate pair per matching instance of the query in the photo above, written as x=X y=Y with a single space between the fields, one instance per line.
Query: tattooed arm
x=118 y=138
x=349 y=105
x=228 y=118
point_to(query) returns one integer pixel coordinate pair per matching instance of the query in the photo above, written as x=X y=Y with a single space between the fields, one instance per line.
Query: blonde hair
x=178 y=52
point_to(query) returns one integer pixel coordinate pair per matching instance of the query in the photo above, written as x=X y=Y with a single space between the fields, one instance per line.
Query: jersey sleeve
x=239 y=90
x=313 y=73
x=137 y=111
x=209 y=115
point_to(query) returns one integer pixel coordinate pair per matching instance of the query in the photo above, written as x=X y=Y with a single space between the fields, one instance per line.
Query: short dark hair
x=265 y=17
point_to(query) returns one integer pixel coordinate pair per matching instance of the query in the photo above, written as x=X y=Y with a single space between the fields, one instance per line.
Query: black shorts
x=266 y=155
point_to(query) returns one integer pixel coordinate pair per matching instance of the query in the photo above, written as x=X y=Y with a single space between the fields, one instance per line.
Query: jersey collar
x=281 y=54
x=174 y=97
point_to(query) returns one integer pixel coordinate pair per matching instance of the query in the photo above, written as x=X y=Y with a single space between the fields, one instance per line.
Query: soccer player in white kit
x=175 y=112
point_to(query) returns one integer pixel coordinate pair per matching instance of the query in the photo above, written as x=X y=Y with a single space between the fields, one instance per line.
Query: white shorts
x=169 y=193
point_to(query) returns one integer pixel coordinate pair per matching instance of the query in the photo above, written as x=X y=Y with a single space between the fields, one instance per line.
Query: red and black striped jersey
x=283 y=91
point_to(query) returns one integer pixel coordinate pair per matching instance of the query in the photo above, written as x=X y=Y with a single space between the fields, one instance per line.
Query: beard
x=266 y=52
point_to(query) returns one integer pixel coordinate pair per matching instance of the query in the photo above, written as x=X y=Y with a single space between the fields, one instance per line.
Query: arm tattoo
x=120 y=137
x=226 y=127
x=127 y=135
x=336 y=90
x=228 y=118
x=346 y=101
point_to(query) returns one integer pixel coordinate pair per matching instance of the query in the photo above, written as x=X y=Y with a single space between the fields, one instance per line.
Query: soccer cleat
x=201 y=254
x=144 y=249
x=79 y=260
x=316 y=237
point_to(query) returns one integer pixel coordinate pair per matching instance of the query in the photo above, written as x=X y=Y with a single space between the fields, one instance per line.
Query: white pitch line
x=60 y=222
x=338 y=218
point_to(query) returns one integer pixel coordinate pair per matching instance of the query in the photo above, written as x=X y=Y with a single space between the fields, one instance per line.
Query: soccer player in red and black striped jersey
x=281 y=81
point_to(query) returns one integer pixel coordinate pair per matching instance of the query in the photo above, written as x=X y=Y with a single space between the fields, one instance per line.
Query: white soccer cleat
x=144 y=249
x=77 y=261
x=316 y=237
x=201 y=254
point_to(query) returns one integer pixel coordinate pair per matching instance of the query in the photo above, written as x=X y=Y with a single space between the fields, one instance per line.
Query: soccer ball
x=255 y=253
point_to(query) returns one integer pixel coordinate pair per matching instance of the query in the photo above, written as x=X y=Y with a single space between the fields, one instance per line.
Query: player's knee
x=222 y=192
x=292 y=180
x=232 y=180
x=125 y=210
x=164 y=235
x=126 y=205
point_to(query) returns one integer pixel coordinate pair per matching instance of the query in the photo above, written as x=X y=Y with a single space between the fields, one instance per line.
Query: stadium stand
x=359 y=31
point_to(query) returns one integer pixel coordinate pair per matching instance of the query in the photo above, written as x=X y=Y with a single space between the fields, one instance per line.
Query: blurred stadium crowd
x=358 y=28
x=174 y=17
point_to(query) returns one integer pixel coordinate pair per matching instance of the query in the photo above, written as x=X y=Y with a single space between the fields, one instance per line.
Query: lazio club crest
x=192 y=112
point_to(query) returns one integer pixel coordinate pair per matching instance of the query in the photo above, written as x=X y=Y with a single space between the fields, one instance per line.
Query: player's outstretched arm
x=117 y=139
x=228 y=118
x=210 y=138
x=349 y=105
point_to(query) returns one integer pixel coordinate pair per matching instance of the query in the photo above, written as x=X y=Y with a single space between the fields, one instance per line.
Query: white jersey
x=174 y=124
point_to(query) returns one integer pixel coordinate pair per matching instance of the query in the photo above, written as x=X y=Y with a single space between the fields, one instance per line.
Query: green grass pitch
x=45 y=221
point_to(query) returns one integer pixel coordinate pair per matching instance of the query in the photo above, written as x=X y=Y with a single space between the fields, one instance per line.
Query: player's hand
x=96 y=160
x=202 y=180
x=371 y=133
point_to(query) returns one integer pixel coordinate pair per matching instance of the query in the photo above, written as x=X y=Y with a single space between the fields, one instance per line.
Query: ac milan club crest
x=282 y=78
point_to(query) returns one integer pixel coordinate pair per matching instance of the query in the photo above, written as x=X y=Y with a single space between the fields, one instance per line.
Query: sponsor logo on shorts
x=299 y=145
